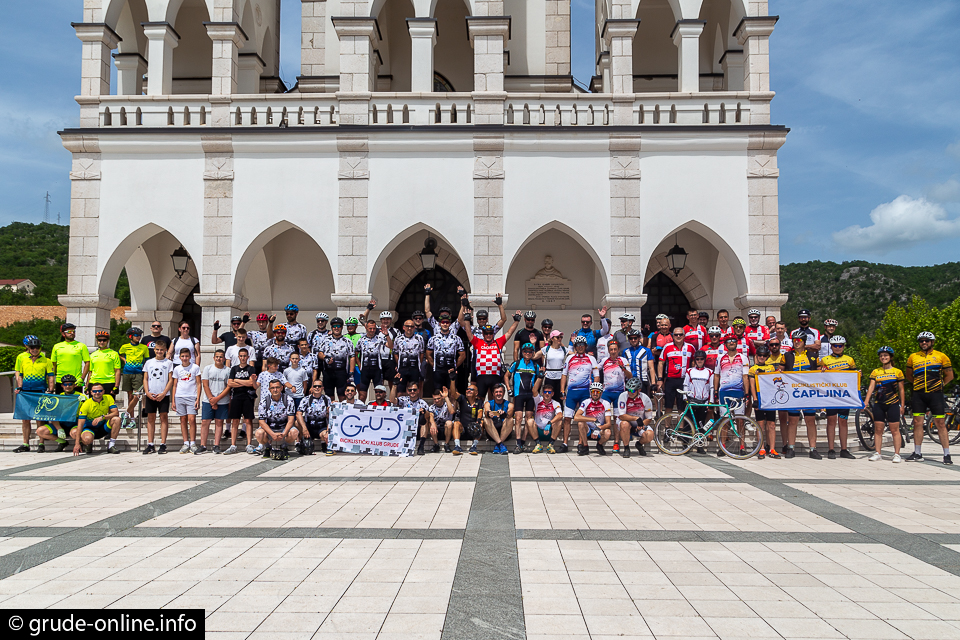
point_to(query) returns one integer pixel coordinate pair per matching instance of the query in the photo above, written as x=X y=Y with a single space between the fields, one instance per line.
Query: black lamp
x=428 y=256
x=676 y=259
x=180 y=259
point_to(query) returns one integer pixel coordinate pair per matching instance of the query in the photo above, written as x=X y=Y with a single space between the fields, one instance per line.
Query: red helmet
x=103 y=334
x=263 y=318
x=280 y=327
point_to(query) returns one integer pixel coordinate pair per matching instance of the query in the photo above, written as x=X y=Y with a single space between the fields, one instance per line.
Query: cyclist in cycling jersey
x=766 y=419
x=468 y=420
x=661 y=338
x=278 y=347
x=829 y=330
x=527 y=334
x=312 y=417
x=548 y=418
x=783 y=337
x=723 y=321
x=694 y=333
x=675 y=359
x=714 y=348
x=441 y=427
x=523 y=380
x=98 y=418
x=295 y=330
x=641 y=361
x=634 y=413
x=445 y=351
x=369 y=352
x=552 y=357
x=58 y=431
x=579 y=371
x=800 y=359
x=622 y=335
x=756 y=332
x=731 y=377
x=408 y=350
x=276 y=413
x=487 y=367
x=930 y=371
x=338 y=354
x=592 y=335
x=837 y=361
x=33 y=372
x=594 y=418
x=811 y=335
x=698 y=388
x=887 y=392
x=496 y=418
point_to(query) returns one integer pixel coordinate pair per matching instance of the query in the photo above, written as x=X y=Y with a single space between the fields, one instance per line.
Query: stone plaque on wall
x=550 y=292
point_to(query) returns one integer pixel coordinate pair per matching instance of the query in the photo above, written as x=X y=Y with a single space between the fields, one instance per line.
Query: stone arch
x=687 y=280
x=253 y=252
x=688 y=9
x=136 y=249
x=193 y=56
x=575 y=235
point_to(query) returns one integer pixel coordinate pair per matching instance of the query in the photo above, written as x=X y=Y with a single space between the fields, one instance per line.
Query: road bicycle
x=865 y=428
x=737 y=436
x=952 y=421
x=866 y=432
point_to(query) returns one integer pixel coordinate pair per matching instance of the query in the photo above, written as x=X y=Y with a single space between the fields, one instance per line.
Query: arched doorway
x=664 y=296
x=192 y=312
x=444 y=293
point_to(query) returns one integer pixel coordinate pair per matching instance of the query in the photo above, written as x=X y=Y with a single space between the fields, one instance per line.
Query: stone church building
x=447 y=123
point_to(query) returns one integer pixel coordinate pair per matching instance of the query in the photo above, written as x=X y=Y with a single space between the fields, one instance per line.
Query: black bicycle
x=866 y=430
x=952 y=420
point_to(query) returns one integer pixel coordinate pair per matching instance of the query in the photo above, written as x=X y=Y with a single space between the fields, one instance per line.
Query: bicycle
x=866 y=432
x=737 y=436
x=952 y=421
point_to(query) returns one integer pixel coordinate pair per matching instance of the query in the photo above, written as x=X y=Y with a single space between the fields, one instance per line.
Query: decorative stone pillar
x=130 y=70
x=98 y=41
x=488 y=276
x=753 y=34
x=764 y=230
x=161 y=41
x=228 y=38
x=732 y=64
x=359 y=39
x=488 y=37
x=686 y=37
x=557 y=54
x=423 y=38
x=626 y=279
x=249 y=68
x=313 y=39
x=603 y=63
x=618 y=35
x=354 y=180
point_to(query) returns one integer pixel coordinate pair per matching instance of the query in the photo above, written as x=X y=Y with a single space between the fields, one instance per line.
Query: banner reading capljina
x=46 y=407
x=809 y=390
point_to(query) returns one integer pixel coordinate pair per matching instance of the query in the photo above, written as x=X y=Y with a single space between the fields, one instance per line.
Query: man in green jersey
x=105 y=365
x=69 y=356
x=133 y=354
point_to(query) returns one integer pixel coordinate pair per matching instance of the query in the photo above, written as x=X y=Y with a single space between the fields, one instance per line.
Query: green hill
x=858 y=293
x=39 y=253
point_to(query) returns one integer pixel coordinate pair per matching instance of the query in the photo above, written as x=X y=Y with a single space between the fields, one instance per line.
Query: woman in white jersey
x=552 y=357
x=186 y=341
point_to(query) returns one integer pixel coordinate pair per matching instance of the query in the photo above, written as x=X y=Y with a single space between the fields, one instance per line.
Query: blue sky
x=870 y=90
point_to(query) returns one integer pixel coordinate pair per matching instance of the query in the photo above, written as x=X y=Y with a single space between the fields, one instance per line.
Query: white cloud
x=900 y=224
x=954 y=149
x=948 y=191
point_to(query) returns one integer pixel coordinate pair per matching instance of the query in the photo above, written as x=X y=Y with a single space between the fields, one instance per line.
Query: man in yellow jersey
x=34 y=373
x=766 y=418
x=801 y=359
x=837 y=361
x=930 y=371
x=134 y=354
x=69 y=356
x=105 y=365
x=98 y=417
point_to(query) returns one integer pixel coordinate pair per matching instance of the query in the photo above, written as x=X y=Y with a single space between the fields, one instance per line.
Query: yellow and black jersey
x=928 y=370
x=887 y=389
x=800 y=361
x=837 y=363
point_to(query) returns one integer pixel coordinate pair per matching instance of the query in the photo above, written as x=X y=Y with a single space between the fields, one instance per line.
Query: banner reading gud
x=809 y=390
x=377 y=431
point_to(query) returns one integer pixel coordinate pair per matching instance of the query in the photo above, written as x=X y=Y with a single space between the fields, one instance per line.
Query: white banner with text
x=376 y=431
x=809 y=390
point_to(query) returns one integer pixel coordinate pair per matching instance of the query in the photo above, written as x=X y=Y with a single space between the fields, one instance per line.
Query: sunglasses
x=236 y=322
x=336 y=326
x=103 y=339
x=586 y=322
x=92 y=391
x=157 y=326
x=318 y=386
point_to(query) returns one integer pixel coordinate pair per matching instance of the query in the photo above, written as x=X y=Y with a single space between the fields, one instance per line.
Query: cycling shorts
x=370 y=375
x=99 y=431
x=335 y=380
x=671 y=394
x=843 y=414
x=524 y=403
x=768 y=415
x=889 y=413
x=574 y=398
x=932 y=401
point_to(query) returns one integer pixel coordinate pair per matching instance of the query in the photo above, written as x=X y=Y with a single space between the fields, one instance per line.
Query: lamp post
x=428 y=256
x=180 y=259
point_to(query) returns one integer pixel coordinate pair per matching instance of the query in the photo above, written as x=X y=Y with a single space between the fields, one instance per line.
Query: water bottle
x=708 y=424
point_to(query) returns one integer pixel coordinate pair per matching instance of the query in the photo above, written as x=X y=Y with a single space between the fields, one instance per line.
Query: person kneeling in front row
x=98 y=417
x=276 y=414
x=634 y=413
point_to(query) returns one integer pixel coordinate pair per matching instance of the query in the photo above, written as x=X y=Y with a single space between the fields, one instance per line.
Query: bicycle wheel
x=739 y=438
x=865 y=430
x=673 y=435
x=953 y=427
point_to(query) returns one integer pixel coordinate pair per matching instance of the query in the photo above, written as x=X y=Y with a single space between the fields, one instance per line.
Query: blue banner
x=46 y=407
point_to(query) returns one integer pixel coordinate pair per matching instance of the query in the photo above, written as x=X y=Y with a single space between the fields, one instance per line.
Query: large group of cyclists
x=270 y=390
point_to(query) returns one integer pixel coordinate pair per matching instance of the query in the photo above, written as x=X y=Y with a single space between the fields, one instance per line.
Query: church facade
x=454 y=124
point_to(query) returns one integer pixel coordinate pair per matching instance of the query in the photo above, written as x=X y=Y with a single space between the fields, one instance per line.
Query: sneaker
x=250 y=449
x=436 y=448
x=241 y=435
x=113 y=449
x=538 y=448
x=720 y=452
x=762 y=454
x=788 y=453
x=773 y=454
x=22 y=448
x=457 y=451
x=446 y=447
x=831 y=455
x=518 y=448
x=562 y=447
x=846 y=455
x=701 y=451
x=41 y=448
x=420 y=449
x=915 y=457
x=162 y=449
x=194 y=449
x=600 y=449
x=473 y=448
x=226 y=434
x=582 y=450
x=815 y=454
x=641 y=449
x=149 y=449
x=267 y=451
x=259 y=450
x=216 y=449
x=616 y=447
x=625 y=452
x=550 y=449
x=331 y=452
x=88 y=449
x=61 y=445
x=897 y=458
x=232 y=449
x=947 y=459
x=185 y=448
x=876 y=456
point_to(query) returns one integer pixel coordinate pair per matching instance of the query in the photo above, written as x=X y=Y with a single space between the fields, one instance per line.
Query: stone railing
x=390 y=109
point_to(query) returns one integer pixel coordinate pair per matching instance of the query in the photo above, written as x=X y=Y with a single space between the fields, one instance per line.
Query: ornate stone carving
x=219 y=169
x=763 y=167
x=353 y=169
x=548 y=271
x=624 y=169
x=488 y=168
x=85 y=169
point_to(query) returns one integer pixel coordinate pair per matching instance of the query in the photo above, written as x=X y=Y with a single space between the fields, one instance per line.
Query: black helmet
x=763 y=350
x=546 y=322
x=308 y=447
x=444 y=310
x=700 y=353
x=68 y=379
x=803 y=312
x=530 y=315
x=482 y=313
x=418 y=314
x=337 y=320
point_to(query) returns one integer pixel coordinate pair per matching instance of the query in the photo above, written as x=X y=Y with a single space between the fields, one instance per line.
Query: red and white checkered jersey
x=758 y=332
x=696 y=336
x=488 y=355
x=678 y=359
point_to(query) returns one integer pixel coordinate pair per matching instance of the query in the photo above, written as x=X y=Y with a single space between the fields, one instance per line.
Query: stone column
x=603 y=62
x=488 y=277
x=250 y=66
x=686 y=37
x=162 y=40
x=359 y=39
x=228 y=38
x=98 y=41
x=354 y=180
x=626 y=272
x=488 y=37
x=764 y=270
x=313 y=18
x=86 y=307
x=557 y=54
x=423 y=38
x=732 y=64
x=130 y=70
x=618 y=35
x=753 y=34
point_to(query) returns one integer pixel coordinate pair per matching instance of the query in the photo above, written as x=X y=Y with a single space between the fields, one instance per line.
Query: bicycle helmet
x=526 y=347
x=236 y=319
x=385 y=315
x=926 y=335
x=628 y=317
x=546 y=322
x=633 y=332
x=68 y=379
x=703 y=314
x=487 y=328
x=803 y=312
x=530 y=315
x=31 y=341
x=799 y=334
x=632 y=384
x=336 y=321
x=322 y=316
x=103 y=334
x=579 y=340
x=262 y=317
x=134 y=331
x=763 y=350
x=663 y=316
x=738 y=322
x=353 y=321
x=418 y=314
x=700 y=354
x=280 y=328
x=837 y=340
x=598 y=386
x=482 y=313
x=885 y=349
x=292 y=307
x=67 y=326
x=715 y=331
x=830 y=322
x=731 y=338
x=754 y=312
x=444 y=310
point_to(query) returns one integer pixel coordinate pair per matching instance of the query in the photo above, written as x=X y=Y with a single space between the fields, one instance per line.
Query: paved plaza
x=544 y=547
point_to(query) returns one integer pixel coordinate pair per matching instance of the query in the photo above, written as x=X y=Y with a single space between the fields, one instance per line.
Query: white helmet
x=596 y=385
x=837 y=340
x=926 y=335
x=714 y=331
x=628 y=316
x=322 y=316
x=579 y=340
x=662 y=316
x=753 y=312
x=386 y=314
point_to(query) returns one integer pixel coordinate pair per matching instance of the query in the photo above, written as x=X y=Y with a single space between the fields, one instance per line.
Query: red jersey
x=726 y=332
x=659 y=341
x=745 y=346
x=713 y=355
x=488 y=355
x=678 y=359
x=758 y=332
x=696 y=336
